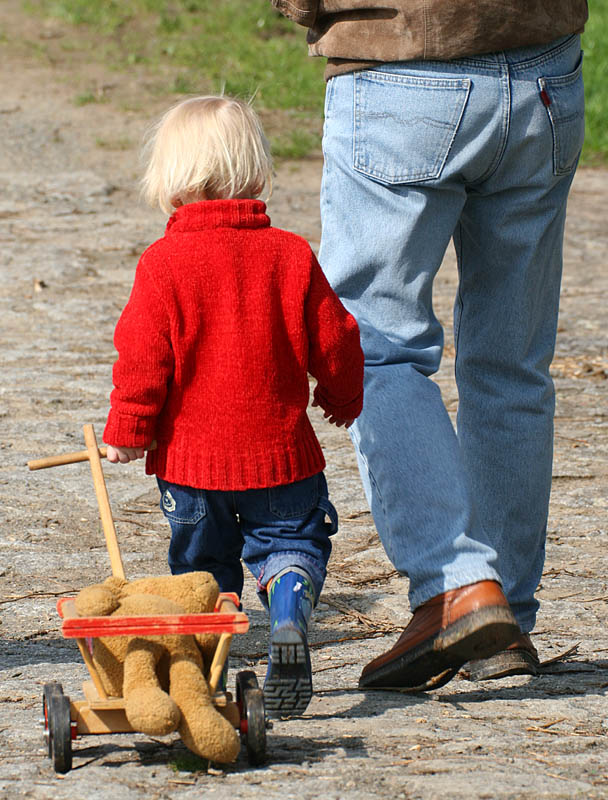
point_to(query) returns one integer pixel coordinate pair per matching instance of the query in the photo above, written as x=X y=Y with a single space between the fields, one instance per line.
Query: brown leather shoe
x=448 y=630
x=520 y=658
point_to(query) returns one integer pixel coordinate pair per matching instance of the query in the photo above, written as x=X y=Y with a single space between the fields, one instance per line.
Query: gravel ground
x=71 y=230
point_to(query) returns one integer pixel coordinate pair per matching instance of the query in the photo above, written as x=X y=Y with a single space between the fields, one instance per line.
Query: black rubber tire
x=60 y=732
x=256 y=727
x=246 y=679
x=250 y=700
x=48 y=690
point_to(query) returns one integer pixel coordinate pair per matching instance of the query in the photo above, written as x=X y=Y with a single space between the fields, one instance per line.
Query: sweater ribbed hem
x=179 y=462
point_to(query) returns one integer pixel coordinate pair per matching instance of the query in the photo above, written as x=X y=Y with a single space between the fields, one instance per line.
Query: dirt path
x=70 y=232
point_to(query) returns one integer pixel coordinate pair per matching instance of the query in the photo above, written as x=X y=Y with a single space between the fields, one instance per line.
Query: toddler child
x=226 y=318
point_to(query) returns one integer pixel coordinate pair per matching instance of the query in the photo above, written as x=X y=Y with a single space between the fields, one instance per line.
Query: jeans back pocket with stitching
x=182 y=504
x=564 y=100
x=294 y=499
x=405 y=126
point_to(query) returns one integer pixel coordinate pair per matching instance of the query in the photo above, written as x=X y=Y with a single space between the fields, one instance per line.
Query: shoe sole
x=288 y=685
x=503 y=665
x=435 y=661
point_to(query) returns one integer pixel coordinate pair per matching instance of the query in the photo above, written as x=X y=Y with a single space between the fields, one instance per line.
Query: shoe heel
x=288 y=685
x=480 y=635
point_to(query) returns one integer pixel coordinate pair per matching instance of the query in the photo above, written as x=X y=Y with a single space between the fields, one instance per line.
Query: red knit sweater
x=226 y=317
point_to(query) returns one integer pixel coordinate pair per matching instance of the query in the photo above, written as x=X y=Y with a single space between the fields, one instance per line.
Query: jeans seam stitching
x=460 y=299
x=506 y=124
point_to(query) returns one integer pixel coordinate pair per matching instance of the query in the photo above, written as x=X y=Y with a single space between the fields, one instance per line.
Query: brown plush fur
x=162 y=678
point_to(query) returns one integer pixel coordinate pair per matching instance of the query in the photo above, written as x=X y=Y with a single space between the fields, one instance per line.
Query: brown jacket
x=353 y=34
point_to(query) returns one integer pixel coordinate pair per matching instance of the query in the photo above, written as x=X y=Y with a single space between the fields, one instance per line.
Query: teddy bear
x=162 y=678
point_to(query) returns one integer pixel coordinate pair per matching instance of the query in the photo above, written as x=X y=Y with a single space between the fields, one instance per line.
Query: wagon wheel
x=250 y=700
x=256 y=726
x=60 y=732
x=48 y=690
x=246 y=679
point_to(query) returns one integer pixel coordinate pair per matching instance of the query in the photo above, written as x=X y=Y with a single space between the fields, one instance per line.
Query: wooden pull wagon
x=66 y=720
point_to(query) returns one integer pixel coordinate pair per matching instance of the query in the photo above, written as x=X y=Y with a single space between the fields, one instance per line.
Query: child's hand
x=123 y=454
x=333 y=420
x=337 y=421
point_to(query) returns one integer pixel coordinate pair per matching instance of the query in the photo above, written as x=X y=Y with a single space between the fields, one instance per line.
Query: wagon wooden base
x=95 y=715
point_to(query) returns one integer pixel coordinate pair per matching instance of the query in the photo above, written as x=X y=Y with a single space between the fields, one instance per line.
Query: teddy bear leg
x=202 y=728
x=148 y=708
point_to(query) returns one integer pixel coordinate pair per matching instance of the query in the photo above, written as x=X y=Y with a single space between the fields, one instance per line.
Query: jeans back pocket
x=294 y=500
x=564 y=100
x=405 y=125
x=181 y=504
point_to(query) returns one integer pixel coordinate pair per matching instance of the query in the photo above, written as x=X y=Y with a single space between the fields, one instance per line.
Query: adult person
x=463 y=120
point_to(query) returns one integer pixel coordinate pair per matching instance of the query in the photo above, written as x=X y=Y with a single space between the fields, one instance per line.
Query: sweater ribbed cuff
x=348 y=410
x=126 y=430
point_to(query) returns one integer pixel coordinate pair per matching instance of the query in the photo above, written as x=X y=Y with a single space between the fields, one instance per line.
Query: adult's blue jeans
x=481 y=150
x=270 y=529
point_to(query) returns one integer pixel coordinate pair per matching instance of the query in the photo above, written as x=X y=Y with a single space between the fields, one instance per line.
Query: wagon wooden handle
x=93 y=454
x=103 y=501
x=226 y=605
x=70 y=458
x=66 y=458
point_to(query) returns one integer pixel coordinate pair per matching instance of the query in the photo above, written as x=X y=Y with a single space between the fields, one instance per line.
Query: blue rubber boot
x=288 y=685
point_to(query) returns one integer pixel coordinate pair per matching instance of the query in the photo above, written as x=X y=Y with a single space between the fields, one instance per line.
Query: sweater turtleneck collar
x=218 y=214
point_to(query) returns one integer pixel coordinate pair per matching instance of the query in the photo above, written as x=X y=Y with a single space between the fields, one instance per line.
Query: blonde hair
x=210 y=147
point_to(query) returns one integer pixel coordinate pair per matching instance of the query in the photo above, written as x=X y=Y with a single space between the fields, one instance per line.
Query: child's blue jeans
x=270 y=529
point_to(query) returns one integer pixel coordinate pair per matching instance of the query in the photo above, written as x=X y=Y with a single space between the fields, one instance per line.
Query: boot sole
x=288 y=686
x=502 y=665
x=435 y=661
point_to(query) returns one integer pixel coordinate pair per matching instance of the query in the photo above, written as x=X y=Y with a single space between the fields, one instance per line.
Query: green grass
x=245 y=48
x=294 y=144
x=595 y=74
x=87 y=97
x=188 y=762
x=241 y=47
